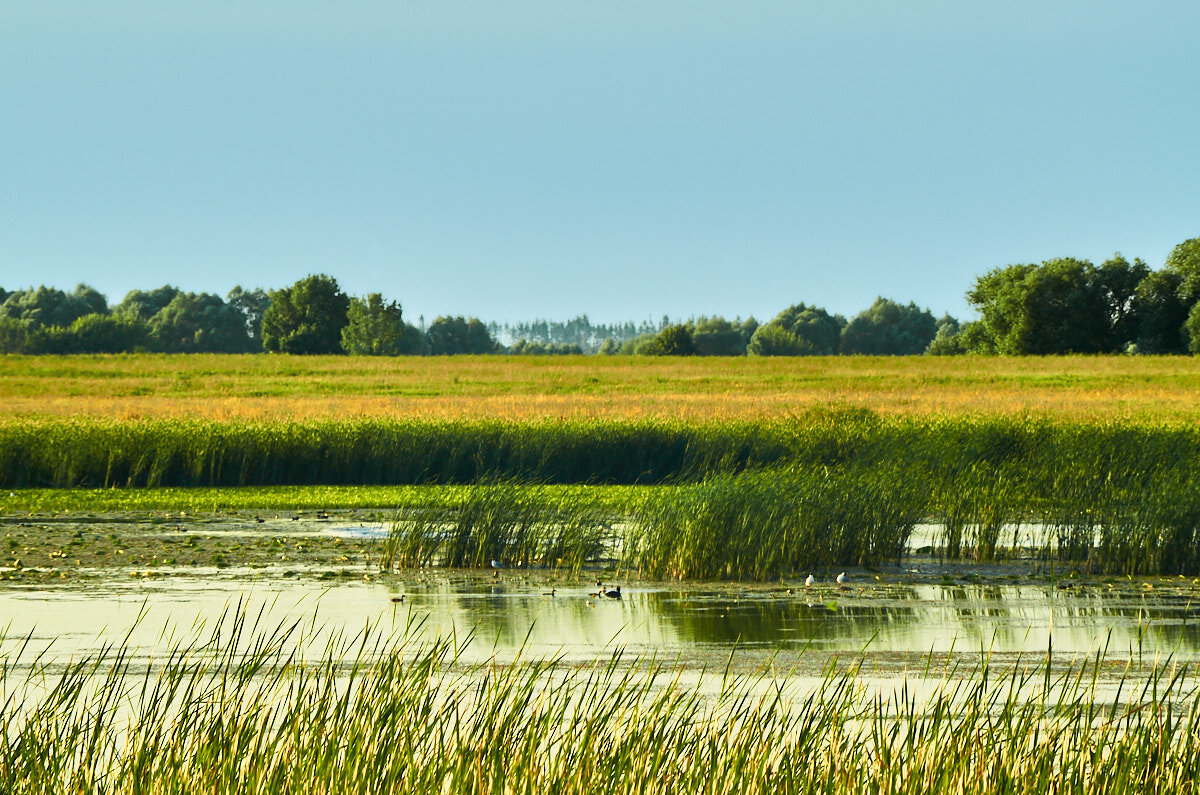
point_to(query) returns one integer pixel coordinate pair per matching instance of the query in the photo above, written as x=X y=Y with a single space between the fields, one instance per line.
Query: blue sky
x=621 y=159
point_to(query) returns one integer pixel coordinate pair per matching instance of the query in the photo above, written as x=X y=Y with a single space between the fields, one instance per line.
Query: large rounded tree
x=307 y=317
x=799 y=330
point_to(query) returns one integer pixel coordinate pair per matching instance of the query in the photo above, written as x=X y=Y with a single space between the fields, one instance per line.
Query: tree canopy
x=716 y=336
x=373 y=328
x=799 y=330
x=887 y=328
x=199 y=323
x=48 y=306
x=252 y=304
x=306 y=318
x=449 y=336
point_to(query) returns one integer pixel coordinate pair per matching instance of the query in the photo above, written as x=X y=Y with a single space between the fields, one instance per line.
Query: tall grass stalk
x=261 y=709
x=761 y=525
x=510 y=523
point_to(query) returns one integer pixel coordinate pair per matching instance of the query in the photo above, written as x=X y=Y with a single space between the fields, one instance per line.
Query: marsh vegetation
x=247 y=706
x=730 y=500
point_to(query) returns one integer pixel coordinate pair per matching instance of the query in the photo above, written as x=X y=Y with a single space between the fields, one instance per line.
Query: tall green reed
x=252 y=708
x=1107 y=497
x=760 y=525
x=514 y=524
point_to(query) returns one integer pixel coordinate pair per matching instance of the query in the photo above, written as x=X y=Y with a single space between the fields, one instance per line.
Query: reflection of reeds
x=255 y=709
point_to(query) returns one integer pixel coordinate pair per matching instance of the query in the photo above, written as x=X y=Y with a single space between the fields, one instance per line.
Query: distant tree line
x=1061 y=305
x=1069 y=305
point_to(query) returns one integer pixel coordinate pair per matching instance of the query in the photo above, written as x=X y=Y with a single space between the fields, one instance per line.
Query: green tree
x=143 y=304
x=953 y=338
x=414 y=342
x=49 y=306
x=373 y=328
x=643 y=345
x=1160 y=312
x=524 y=347
x=252 y=304
x=810 y=331
x=1184 y=260
x=14 y=335
x=773 y=340
x=674 y=340
x=97 y=333
x=1060 y=306
x=449 y=336
x=199 y=323
x=306 y=318
x=716 y=336
x=1191 y=329
x=889 y=329
x=1119 y=280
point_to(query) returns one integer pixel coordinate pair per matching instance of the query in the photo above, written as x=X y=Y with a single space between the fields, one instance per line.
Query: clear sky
x=623 y=159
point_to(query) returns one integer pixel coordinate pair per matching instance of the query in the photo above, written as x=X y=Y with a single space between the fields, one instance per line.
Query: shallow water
x=896 y=625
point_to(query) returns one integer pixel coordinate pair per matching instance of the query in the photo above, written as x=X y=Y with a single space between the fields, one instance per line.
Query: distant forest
x=1059 y=306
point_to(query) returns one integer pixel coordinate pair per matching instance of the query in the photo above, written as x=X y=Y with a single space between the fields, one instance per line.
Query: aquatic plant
x=516 y=525
x=760 y=525
x=250 y=708
x=104 y=453
x=752 y=499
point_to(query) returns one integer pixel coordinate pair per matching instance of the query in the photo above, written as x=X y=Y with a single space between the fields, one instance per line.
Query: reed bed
x=1045 y=455
x=512 y=524
x=102 y=453
x=778 y=523
x=259 y=709
x=763 y=525
x=739 y=500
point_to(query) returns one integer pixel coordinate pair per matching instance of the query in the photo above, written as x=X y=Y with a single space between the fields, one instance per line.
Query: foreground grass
x=248 y=708
x=225 y=387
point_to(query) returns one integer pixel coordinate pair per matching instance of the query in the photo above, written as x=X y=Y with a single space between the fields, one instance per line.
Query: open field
x=223 y=387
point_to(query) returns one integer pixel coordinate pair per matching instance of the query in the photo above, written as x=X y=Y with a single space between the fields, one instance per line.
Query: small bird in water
x=808 y=581
x=841 y=581
x=398 y=599
x=614 y=594
x=551 y=592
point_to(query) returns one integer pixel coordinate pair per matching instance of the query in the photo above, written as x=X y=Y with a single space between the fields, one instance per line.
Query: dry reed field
x=268 y=387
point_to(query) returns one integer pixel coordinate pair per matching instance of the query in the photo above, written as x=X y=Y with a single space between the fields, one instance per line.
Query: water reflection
x=693 y=624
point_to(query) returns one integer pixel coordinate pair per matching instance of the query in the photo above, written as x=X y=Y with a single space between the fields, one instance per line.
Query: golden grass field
x=262 y=387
